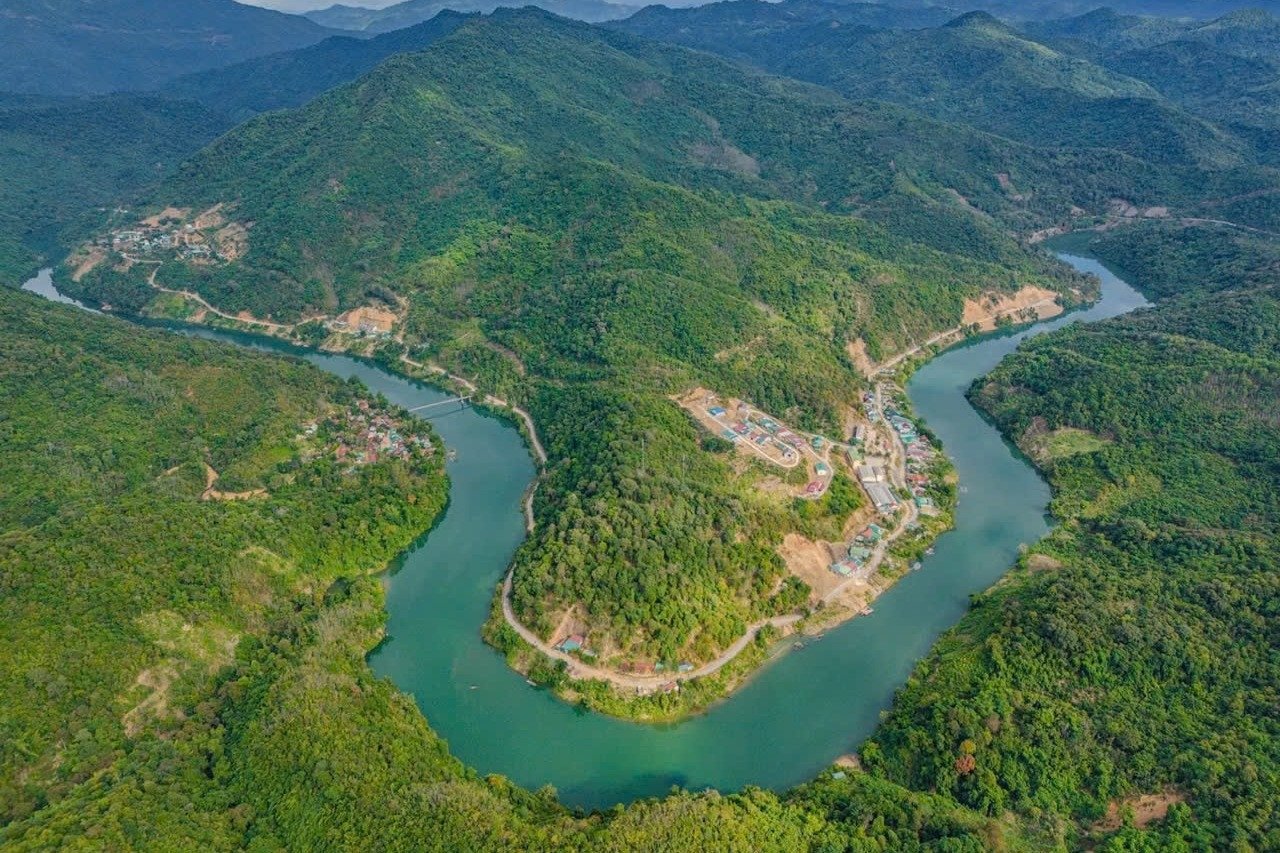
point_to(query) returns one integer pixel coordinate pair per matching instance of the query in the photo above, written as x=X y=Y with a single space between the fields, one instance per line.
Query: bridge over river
x=797 y=715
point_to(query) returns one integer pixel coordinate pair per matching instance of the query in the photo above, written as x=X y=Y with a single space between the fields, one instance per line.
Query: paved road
x=898 y=474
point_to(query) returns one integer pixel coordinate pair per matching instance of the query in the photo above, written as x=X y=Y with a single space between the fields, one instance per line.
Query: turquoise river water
x=791 y=719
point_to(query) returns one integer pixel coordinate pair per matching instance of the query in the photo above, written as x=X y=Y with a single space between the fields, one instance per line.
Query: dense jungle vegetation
x=1168 y=259
x=124 y=594
x=973 y=69
x=569 y=214
x=1128 y=653
x=1133 y=651
x=63 y=161
x=1223 y=70
x=292 y=78
x=183 y=673
x=188 y=674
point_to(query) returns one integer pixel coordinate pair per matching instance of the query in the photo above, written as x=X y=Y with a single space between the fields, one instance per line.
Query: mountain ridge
x=620 y=216
x=974 y=70
x=411 y=12
x=69 y=47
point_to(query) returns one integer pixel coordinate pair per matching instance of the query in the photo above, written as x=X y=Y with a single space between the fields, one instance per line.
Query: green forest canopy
x=595 y=216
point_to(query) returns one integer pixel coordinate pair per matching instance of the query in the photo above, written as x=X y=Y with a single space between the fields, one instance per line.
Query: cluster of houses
x=762 y=431
x=365 y=435
x=857 y=558
x=870 y=407
x=772 y=440
x=920 y=454
x=146 y=240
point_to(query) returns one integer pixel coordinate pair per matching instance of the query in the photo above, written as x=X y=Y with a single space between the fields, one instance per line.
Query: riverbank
x=783 y=725
x=650 y=697
x=658 y=695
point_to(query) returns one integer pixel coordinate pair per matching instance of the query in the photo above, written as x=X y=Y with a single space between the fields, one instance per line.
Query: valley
x=748 y=426
x=439 y=594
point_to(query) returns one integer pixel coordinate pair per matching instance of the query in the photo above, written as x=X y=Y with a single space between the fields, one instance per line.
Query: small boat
x=531 y=682
x=475 y=687
x=868 y=610
x=929 y=551
x=797 y=645
x=452 y=454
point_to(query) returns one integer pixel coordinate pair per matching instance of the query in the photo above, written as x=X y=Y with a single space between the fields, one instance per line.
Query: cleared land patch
x=1028 y=304
x=1061 y=443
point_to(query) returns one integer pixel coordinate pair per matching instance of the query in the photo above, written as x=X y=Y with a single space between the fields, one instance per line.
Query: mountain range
x=1031 y=10
x=974 y=70
x=410 y=12
x=616 y=215
x=66 y=47
x=1225 y=69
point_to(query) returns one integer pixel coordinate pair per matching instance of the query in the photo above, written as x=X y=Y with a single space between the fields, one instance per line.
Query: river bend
x=796 y=715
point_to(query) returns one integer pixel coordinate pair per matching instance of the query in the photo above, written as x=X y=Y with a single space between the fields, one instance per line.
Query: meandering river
x=796 y=715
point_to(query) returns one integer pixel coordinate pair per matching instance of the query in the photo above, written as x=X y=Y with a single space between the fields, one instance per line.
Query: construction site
x=885 y=453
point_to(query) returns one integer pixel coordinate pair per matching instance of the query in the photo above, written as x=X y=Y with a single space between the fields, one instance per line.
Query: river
x=796 y=715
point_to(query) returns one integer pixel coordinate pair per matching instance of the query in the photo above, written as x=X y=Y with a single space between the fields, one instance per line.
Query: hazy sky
x=307 y=5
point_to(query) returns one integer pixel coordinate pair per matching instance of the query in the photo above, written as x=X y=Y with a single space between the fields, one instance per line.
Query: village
x=754 y=432
x=362 y=435
x=174 y=234
x=897 y=481
x=885 y=452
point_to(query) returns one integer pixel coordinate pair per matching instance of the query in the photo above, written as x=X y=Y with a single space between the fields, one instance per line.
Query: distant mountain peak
x=1101 y=14
x=1247 y=17
x=977 y=20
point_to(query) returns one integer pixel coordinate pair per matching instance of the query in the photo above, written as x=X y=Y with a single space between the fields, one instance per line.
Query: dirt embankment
x=857 y=351
x=811 y=562
x=1146 y=808
x=86 y=264
x=212 y=494
x=1029 y=303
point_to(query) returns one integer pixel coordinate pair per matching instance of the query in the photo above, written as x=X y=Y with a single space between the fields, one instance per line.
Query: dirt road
x=578 y=669
x=203 y=303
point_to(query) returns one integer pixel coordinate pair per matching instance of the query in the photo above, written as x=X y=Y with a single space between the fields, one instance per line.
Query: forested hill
x=62 y=47
x=186 y=674
x=67 y=161
x=434 y=144
x=1130 y=662
x=973 y=70
x=412 y=12
x=162 y=507
x=1224 y=69
x=589 y=223
x=291 y=78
